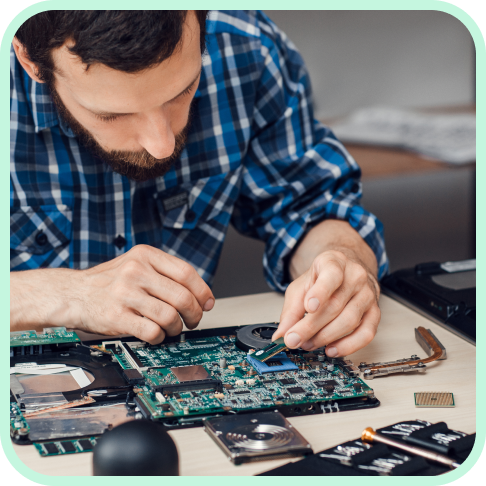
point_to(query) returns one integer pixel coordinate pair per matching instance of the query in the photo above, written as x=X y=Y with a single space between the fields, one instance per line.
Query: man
x=132 y=151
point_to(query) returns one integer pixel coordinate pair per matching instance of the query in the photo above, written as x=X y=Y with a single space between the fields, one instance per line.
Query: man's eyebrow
x=189 y=86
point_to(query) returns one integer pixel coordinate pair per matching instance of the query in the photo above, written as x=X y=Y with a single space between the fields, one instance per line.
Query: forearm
x=332 y=235
x=41 y=298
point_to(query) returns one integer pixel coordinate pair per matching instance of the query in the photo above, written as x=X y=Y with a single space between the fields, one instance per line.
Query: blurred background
x=423 y=60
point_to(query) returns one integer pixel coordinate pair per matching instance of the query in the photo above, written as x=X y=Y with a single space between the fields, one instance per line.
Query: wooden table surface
x=199 y=455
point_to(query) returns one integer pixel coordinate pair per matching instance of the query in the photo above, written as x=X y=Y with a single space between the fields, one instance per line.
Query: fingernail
x=331 y=352
x=208 y=305
x=292 y=340
x=312 y=305
x=307 y=345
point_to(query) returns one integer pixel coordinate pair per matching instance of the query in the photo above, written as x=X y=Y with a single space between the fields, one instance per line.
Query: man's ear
x=23 y=58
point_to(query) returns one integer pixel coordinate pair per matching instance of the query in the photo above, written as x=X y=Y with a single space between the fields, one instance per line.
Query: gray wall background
x=398 y=58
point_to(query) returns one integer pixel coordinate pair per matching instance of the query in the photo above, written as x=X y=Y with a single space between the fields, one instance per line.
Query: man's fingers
x=359 y=338
x=177 y=296
x=144 y=329
x=162 y=314
x=328 y=275
x=293 y=308
x=177 y=270
x=344 y=323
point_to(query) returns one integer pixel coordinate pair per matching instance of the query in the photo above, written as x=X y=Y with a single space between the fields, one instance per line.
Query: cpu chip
x=434 y=399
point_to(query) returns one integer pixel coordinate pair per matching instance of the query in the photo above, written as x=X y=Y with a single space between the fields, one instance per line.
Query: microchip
x=295 y=390
x=326 y=383
x=268 y=382
x=434 y=399
x=85 y=444
x=272 y=349
x=287 y=381
x=133 y=377
x=68 y=446
x=190 y=373
x=51 y=448
x=241 y=392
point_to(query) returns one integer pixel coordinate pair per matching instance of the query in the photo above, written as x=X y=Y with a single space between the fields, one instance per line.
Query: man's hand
x=340 y=296
x=334 y=272
x=144 y=292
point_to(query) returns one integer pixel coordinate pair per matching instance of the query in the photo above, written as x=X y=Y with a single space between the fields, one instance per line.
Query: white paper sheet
x=447 y=137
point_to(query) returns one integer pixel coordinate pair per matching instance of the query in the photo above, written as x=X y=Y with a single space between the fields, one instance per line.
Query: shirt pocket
x=40 y=230
x=203 y=201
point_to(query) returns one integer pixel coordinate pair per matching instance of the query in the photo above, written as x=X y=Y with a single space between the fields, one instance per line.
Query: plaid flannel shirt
x=254 y=157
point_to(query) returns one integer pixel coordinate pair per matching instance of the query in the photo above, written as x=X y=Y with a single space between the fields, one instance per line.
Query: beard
x=138 y=166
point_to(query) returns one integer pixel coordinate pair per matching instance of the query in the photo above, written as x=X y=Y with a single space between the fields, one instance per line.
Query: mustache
x=137 y=166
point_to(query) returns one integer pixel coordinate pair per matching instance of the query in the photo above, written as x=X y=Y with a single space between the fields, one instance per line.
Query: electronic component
x=68 y=446
x=85 y=444
x=434 y=399
x=287 y=381
x=295 y=390
x=255 y=336
x=178 y=383
x=189 y=386
x=324 y=383
x=271 y=350
x=49 y=335
x=256 y=437
x=65 y=446
x=133 y=377
x=277 y=363
x=190 y=373
x=427 y=345
x=426 y=339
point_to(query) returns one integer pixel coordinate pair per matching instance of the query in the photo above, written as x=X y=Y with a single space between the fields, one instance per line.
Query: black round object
x=255 y=336
x=41 y=238
x=136 y=448
x=190 y=216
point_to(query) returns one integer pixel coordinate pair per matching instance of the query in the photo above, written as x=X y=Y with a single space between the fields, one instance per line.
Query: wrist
x=42 y=298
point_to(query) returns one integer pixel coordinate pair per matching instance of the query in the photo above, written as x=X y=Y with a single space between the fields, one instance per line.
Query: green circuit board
x=68 y=446
x=51 y=335
x=182 y=381
x=212 y=375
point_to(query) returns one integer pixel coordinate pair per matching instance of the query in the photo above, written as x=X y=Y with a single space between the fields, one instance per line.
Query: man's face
x=137 y=123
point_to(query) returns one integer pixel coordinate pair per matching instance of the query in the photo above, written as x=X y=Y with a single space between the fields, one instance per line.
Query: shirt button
x=41 y=238
x=119 y=242
x=190 y=216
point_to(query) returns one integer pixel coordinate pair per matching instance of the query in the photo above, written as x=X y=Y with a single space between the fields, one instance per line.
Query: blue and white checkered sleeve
x=296 y=173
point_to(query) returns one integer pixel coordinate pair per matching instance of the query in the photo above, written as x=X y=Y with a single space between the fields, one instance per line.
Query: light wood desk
x=199 y=455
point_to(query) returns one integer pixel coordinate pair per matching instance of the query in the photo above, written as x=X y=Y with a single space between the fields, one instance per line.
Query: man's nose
x=156 y=135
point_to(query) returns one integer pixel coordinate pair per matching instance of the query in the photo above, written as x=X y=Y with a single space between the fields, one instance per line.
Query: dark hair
x=125 y=40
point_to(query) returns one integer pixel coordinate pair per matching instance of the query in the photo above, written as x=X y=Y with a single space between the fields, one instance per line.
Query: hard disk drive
x=256 y=437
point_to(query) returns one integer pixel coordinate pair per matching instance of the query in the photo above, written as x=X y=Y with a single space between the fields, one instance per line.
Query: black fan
x=255 y=336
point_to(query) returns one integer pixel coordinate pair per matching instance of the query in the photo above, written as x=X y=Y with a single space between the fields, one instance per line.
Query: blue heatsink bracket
x=266 y=367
